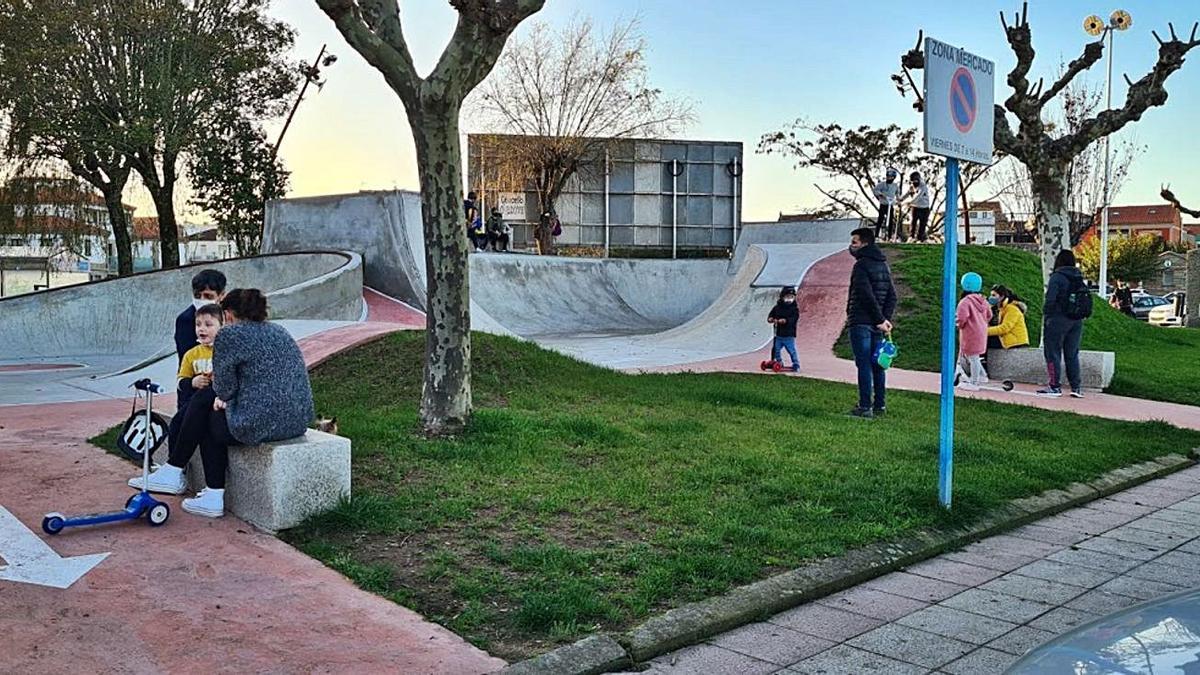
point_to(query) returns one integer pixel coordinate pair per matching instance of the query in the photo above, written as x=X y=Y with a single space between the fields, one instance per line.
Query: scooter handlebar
x=146 y=385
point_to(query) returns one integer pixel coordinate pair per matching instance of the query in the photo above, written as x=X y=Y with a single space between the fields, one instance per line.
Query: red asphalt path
x=196 y=595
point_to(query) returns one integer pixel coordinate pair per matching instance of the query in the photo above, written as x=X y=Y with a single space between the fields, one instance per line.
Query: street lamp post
x=1094 y=25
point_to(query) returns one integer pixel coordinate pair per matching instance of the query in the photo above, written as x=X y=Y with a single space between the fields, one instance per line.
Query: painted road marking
x=29 y=560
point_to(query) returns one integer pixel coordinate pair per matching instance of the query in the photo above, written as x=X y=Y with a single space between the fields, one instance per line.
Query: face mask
x=993 y=300
x=789 y=300
x=198 y=303
x=854 y=250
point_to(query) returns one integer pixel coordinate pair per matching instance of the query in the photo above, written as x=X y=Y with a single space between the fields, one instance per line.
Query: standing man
x=869 y=311
x=1123 y=299
x=886 y=193
x=918 y=191
x=1068 y=303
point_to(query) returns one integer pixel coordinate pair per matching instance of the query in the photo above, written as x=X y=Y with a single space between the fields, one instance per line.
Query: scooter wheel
x=763 y=365
x=158 y=514
x=777 y=366
x=1008 y=385
x=53 y=524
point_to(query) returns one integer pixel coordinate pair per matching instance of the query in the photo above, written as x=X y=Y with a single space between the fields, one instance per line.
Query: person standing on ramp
x=869 y=311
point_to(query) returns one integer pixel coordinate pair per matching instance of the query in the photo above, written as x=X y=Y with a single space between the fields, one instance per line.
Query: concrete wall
x=384 y=227
x=811 y=232
x=135 y=315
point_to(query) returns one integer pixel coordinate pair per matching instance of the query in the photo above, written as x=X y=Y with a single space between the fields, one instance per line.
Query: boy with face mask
x=208 y=286
x=784 y=316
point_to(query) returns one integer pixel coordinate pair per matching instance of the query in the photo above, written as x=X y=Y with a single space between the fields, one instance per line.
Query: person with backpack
x=1068 y=303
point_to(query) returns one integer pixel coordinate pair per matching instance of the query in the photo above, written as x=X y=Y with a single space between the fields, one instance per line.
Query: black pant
x=209 y=429
x=1060 y=342
x=499 y=241
x=887 y=218
x=920 y=223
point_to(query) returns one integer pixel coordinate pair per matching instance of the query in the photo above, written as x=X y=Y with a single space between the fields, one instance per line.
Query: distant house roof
x=41 y=190
x=1002 y=222
x=1145 y=214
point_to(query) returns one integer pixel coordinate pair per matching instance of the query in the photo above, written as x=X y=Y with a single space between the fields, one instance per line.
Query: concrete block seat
x=1028 y=365
x=277 y=485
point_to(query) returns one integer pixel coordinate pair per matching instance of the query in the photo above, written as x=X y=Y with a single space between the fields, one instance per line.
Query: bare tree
x=558 y=98
x=1049 y=158
x=433 y=103
x=1166 y=194
x=1079 y=101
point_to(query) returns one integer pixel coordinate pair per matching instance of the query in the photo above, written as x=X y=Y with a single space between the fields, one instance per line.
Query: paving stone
x=1021 y=640
x=1062 y=619
x=911 y=645
x=1156 y=524
x=1190 y=546
x=1151 y=496
x=1013 y=545
x=1188 y=561
x=1096 y=560
x=1156 y=571
x=954 y=572
x=1030 y=588
x=873 y=603
x=957 y=624
x=1141 y=589
x=846 y=660
x=982 y=660
x=1002 y=562
x=1189 y=505
x=997 y=605
x=1049 y=535
x=915 y=586
x=825 y=622
x=1084 y=526
x=1158 y=540
x=1101 y=602
x=1114 y=506
x=770 y=642
x=1177 y=516
x=710 y=660
x=1074 y=575
x=1127 y=549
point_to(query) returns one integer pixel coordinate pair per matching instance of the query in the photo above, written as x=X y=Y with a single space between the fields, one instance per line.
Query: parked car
x=1142 y=304
x=1172 y=314
x=1162 y=636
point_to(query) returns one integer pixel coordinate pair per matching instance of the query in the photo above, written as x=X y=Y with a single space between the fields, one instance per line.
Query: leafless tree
x=374 y=29
x=1048 y=158
x=557 y=98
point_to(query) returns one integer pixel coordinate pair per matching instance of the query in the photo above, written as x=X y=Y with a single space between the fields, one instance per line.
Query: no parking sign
x=958 y=103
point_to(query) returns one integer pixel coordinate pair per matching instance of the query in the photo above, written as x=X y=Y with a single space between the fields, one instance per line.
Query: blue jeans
x=788 y=343
x=864 y=340
x=1060 y=342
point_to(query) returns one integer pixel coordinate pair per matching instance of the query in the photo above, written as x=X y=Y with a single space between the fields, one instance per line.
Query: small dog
x=328 y=425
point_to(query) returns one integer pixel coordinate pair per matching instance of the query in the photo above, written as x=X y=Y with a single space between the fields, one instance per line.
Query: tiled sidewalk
x=976 y=610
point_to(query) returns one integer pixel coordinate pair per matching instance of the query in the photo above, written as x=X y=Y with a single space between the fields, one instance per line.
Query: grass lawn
x=583 y=499
x=1152 y=362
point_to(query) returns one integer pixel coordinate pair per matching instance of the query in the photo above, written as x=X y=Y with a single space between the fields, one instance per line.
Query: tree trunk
x=164 y=202
x=446 y=395
x=120 y=229
x=1049 y=182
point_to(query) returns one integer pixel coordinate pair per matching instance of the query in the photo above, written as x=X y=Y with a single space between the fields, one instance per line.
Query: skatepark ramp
x=134 y=317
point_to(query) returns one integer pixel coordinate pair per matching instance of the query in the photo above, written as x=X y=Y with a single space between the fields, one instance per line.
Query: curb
x=697 y=621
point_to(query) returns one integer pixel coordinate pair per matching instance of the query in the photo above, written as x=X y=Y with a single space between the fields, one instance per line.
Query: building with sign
x=1163 y=220
x=655 y=193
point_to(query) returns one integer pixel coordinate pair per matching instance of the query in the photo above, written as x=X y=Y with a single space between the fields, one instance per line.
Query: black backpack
x=1078 y=302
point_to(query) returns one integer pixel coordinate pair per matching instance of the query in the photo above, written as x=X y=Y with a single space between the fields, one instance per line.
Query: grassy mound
x=584 y=499
x=1152 y=362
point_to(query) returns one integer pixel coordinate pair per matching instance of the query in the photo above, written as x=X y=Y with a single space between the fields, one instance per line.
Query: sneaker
x=1050 y=392
x=864 y=413
x=878 y=412
x=165 y=479
x=795 y=368
x=1075 y=393
x=208 y=502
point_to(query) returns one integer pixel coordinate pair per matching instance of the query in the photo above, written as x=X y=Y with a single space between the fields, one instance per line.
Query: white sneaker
x=208 y=502
x=166 y=479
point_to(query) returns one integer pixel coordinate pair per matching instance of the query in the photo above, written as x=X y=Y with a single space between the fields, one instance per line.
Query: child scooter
x=140 y=504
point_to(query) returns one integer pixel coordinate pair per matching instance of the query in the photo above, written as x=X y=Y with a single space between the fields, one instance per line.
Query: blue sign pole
x=949 y=357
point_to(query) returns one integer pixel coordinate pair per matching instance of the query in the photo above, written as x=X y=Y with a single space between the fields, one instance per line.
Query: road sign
x=512 y=205
x=30 y=560
x=959 y=100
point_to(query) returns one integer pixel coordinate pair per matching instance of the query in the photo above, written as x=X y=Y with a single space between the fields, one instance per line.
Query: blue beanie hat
x=972 y=282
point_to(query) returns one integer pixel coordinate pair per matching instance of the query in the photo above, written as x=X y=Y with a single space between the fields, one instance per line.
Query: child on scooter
x=972 y=319
x=195 y=373
x=784 y=316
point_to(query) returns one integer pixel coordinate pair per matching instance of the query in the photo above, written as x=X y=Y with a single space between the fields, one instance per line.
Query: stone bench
x=1028 y=365
x=277 y=485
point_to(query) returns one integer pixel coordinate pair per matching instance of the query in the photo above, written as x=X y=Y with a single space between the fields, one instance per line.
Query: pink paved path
x=822 y=301
x=196 y=595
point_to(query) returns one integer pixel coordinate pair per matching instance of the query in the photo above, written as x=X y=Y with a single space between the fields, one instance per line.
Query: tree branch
x=1092 y=52
x=1147 y=92
x=1170 y=197
x=364 y=25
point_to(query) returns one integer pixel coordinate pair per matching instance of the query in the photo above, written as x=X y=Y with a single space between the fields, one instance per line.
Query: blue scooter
x=140 y=504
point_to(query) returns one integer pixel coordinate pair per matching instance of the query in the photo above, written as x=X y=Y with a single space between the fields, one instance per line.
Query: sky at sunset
x=750 y=67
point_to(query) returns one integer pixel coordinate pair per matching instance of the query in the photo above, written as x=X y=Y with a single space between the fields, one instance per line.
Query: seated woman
x=1010 y=331
x=260 y=392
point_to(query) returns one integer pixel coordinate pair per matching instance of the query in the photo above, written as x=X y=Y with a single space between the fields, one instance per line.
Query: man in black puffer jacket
x=869 y=311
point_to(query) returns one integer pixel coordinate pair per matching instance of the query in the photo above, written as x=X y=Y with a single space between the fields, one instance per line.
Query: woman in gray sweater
x=260 y=392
